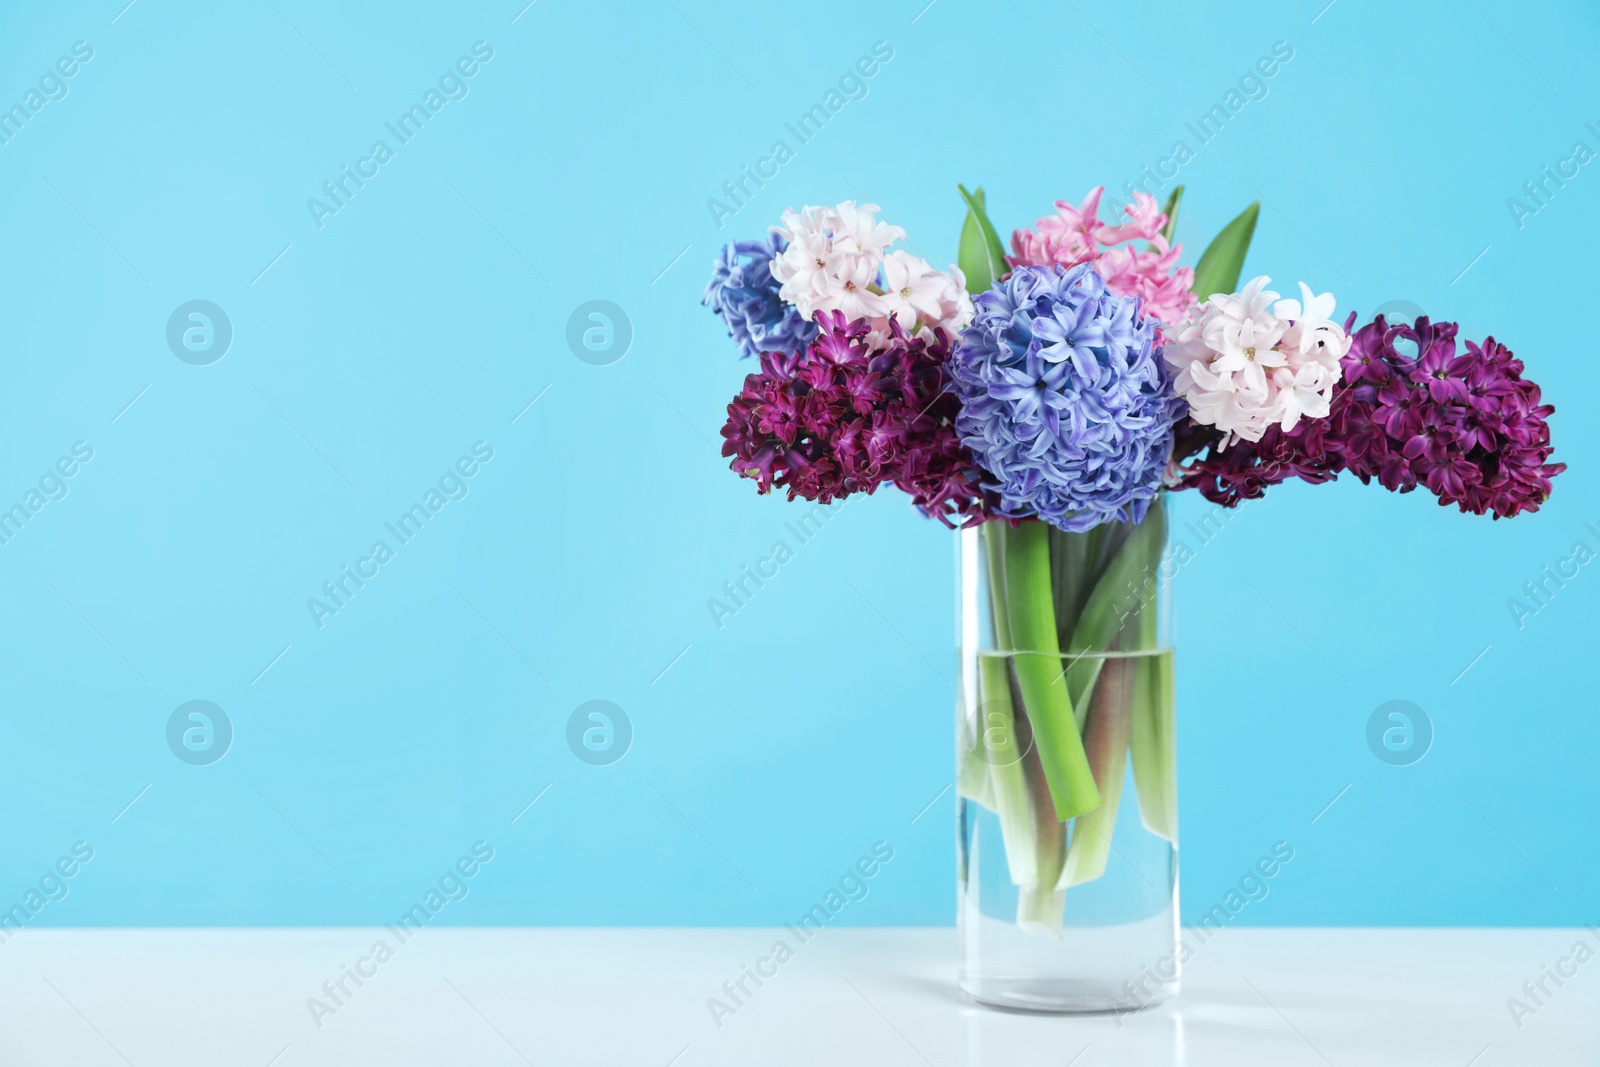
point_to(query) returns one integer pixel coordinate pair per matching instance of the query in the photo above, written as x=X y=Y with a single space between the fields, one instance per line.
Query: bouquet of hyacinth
x=1049 y=398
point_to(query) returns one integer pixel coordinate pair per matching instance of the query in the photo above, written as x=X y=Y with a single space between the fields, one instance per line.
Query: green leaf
x=981 y=256
x=1219 y=268
x=1170 y=210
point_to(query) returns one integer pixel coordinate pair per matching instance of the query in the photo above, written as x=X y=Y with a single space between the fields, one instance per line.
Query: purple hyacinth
x=1467 y=427
x=853 y=414
x=1065 y=400
x=744 y=295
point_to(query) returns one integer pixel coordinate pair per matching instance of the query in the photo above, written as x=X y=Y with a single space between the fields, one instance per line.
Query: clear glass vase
x=1067 y=859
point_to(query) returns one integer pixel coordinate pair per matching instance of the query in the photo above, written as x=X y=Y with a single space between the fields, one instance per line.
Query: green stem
x=1040 y=680
x=993 y=772
x=1001 y=748
x=1154 y=746
x=972 y=771
x=1127 y=586
x=1151 y=737
x=994 y=557
x=1039 y=910
x=973 y=777
x=1040 y=903
x=1105 y=740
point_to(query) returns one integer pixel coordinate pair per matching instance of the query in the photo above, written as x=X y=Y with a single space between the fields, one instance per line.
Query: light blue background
x=430 y=311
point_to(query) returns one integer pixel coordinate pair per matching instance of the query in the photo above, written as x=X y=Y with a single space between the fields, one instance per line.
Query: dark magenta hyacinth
x=853 y=413
x=1465 y=426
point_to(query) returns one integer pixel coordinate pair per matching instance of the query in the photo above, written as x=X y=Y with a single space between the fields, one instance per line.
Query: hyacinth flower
x=1046 y=402
x=1075 y=235
x=744 y=295
x=854 y=413
x=1466 y=426
x=1246 y=361
x=1071 y=412
x=1067 y=407
x=864 y=400
x=842 y=258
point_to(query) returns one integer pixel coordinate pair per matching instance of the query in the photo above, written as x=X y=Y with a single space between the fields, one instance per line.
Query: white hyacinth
x=839 y=259
x=1248 y=360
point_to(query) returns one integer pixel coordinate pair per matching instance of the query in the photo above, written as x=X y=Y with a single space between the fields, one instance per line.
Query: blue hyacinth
x=1065 y=401
x=744 y=294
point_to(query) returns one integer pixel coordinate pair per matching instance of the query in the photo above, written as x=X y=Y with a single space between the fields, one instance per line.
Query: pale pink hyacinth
x=916 y=292
x=1245 y=361
x=1075 y=235
x=839 y=259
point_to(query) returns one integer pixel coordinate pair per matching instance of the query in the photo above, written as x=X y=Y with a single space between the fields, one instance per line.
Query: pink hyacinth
x=1075 y=235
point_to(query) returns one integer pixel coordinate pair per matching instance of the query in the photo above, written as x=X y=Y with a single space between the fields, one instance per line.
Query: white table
x=874 y=996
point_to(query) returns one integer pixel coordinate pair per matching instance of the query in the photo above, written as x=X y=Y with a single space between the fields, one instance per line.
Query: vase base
x=1060 y=996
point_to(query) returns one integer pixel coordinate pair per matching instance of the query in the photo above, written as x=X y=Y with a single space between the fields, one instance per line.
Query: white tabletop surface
x=876 y=996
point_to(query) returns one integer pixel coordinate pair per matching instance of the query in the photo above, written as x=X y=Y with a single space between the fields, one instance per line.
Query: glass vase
x=1067 y=858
